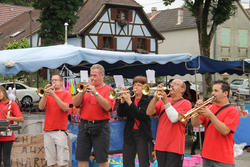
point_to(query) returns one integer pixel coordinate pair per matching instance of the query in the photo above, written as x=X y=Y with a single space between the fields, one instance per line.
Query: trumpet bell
x=112 y=94
x=145 y=89
x=81 y=87
x=41 y=92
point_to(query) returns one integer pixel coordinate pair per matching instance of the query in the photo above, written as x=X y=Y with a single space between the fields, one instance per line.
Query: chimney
x=180 y=16
x=153 y=10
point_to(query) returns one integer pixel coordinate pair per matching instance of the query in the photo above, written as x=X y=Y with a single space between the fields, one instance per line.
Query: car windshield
x=237 y=82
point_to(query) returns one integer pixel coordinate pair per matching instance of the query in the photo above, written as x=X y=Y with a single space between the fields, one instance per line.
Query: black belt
x=94 y=121
x=57 y=130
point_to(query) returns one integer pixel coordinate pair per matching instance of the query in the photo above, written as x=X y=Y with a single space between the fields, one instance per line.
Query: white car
x=243 y=90
x=24 y=93
x=235 y=84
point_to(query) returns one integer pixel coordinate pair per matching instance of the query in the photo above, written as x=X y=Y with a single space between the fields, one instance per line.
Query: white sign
x=150 y=76
x=119 y=81
x=84 y=76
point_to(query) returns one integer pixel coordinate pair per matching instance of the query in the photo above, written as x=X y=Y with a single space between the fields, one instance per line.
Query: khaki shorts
x=56 y=148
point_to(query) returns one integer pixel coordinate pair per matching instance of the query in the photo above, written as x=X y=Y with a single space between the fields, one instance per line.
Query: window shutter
x=134 y=44
x=130 y=15
x=100 y=42
x=113 y=13
x=148 y=45
x=114 y=47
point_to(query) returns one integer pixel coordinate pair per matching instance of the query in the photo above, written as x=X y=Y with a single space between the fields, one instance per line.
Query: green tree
x=24 y=43
x=17 y=2
x=53 y=16
x=208 y=15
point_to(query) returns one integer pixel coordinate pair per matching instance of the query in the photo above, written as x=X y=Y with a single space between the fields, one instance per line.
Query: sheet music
x=84 y=76
x=119 y=81
x=150 y=76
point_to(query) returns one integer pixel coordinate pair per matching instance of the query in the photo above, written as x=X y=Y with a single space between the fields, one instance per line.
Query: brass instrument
x=146 y=90
x=81 y=87
x=188 y=115
x=118 y=94
x=41 y=91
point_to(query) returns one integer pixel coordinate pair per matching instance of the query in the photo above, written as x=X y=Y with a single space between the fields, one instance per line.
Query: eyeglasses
x=137 y=84
x=54 y=80
x=174 y=84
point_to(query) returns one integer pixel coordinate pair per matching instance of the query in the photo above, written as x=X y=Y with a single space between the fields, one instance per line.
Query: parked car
x=235 y=84
x=243 y=90
x=24 y=93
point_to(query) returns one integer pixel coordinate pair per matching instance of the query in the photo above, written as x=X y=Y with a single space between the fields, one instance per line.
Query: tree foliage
x=17 y=2
x=53 y=16
x=208 y=15
x=24 y=43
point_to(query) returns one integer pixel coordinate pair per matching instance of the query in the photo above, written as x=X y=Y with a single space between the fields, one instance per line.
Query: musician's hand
x=198 y=103
x=9 y=118
x=126 y=96
x=50 y=92
x=47 y=86
x=205 y=111
x=91 y=88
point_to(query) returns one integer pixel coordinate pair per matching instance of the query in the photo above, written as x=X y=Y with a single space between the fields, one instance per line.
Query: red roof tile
x=8 y=12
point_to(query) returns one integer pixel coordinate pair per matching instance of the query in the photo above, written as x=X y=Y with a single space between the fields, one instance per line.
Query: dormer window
x=106 y=43
x=122 y=16
x=16 y=33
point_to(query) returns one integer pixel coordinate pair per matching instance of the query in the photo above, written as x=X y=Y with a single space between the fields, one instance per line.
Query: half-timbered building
x=117 y=25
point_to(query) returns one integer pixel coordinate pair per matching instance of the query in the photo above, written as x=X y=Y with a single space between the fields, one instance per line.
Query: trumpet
x=118 y=94
x=184 y=117
x=146 y=90
x=81 y=87
x=41 y=91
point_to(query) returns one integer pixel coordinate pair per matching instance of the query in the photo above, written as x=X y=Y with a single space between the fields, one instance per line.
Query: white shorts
x=56 y=148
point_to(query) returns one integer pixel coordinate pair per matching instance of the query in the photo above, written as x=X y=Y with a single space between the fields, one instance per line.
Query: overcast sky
x=148 y=4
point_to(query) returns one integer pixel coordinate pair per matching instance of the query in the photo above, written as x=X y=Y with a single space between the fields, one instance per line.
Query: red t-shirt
x=55 y=117
x=91 y=109
x=214 y=140
x=170 y=136
x=137 y=122
x=14 y=112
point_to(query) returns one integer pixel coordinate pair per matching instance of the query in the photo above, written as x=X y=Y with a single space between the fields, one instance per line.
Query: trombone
x=146 y=90
x=118 y=94
x=184 y=117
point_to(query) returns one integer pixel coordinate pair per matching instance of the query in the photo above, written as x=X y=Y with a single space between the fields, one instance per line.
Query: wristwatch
x=96 y=93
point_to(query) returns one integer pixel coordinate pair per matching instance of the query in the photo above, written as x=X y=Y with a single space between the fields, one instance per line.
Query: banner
x=28 y=151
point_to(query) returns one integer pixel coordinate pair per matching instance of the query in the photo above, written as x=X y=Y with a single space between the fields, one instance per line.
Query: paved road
x=240 y=161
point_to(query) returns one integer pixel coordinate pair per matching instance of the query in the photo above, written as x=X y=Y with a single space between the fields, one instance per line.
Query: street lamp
x=66 y=33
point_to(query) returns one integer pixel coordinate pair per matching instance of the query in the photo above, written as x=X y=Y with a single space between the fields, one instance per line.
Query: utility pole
x=30 y=28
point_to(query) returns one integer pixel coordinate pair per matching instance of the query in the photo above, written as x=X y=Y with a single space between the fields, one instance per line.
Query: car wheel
x=27 y=99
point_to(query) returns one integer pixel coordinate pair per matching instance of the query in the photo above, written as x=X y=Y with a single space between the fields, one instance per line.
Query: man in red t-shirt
x=170 y=137
x=56 y=104
x=94 y=130
x=220 y=121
